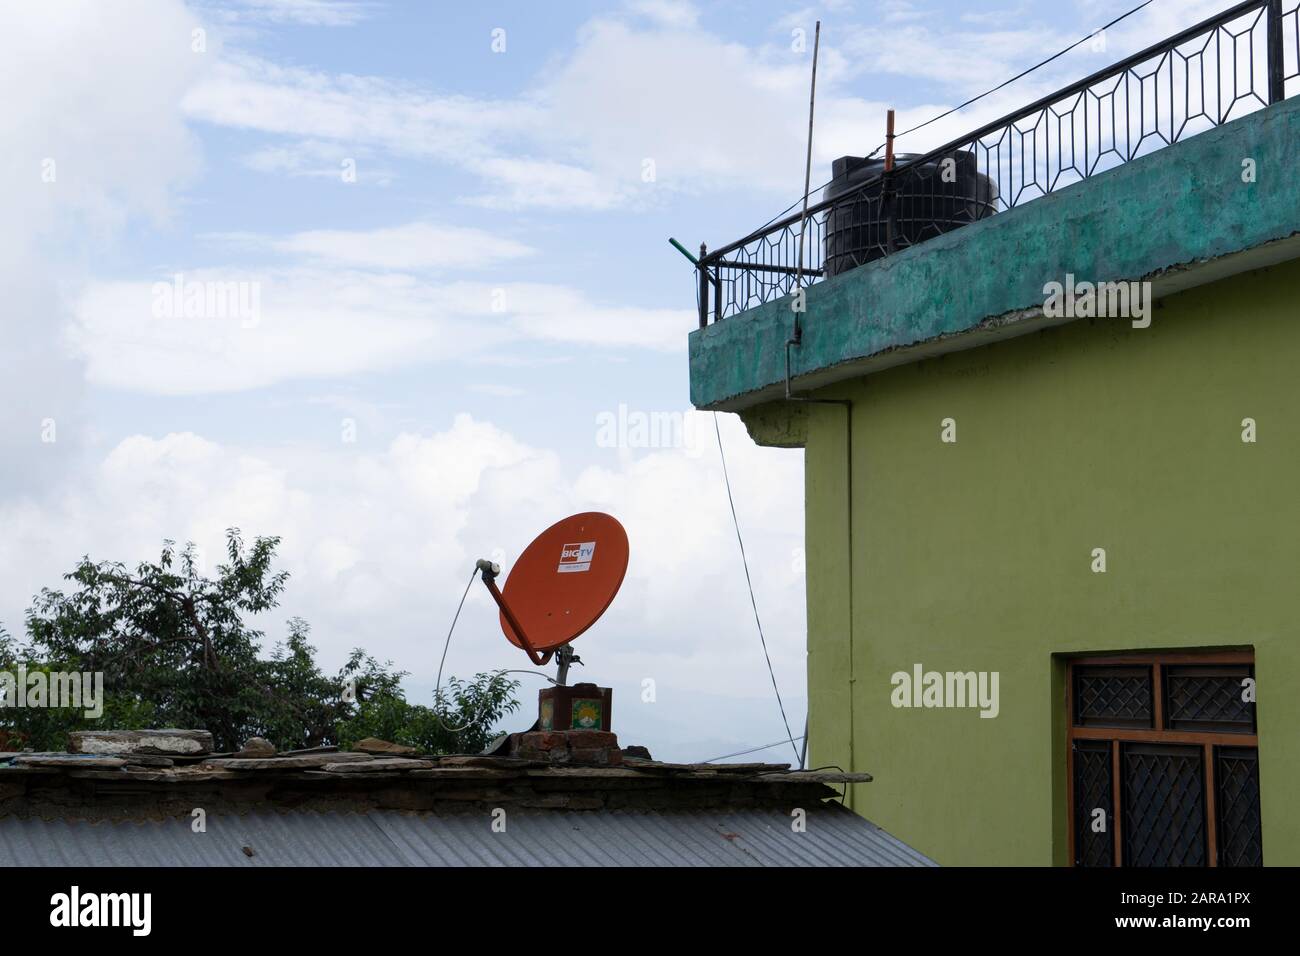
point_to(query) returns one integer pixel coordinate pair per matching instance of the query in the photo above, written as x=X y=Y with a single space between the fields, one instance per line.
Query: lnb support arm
x=489 y=571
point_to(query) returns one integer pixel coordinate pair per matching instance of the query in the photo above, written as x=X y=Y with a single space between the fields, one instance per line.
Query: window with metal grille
x=1164 y=805
x=1113 y=696
x=1163 y=761
x=1203 y=697
x=1240 y=842
x=1093 y=803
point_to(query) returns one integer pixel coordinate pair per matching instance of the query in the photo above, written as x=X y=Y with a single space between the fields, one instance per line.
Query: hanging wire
x=437 y=693
x=973 y=99
x=496 y=676
x=750 y=583
x=1021 y=75
x=751 y=750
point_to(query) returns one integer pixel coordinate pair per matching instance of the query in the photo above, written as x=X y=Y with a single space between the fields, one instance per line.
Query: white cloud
x=310 y=324
x=521 y=183
x=672 y=13
x=415 y=247
x=595 y=134
x=90 y=85
x=972 y=61
x=320 y=159
x=320 y=13
x=564 y=315
x=248 y=93
x=626 y=95
x=617 y=123
x=496 y=390
x=319 y=323
x=96 y=82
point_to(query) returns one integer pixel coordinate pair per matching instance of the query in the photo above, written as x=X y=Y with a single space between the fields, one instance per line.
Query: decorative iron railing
x=1225 y=67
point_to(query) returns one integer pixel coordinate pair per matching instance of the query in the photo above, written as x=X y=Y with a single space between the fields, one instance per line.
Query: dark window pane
x=1236 y=776
x=1164 y=805
x=1112 y=697
x=1092 y=791
x=1208 y=697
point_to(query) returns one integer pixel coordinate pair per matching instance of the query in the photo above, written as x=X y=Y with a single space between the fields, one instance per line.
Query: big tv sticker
x=576 y=557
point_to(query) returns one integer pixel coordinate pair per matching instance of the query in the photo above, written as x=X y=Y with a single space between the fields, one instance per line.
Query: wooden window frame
x=1156 y=734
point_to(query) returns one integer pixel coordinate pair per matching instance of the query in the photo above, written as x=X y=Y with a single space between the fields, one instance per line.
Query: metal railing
x=1225 y=67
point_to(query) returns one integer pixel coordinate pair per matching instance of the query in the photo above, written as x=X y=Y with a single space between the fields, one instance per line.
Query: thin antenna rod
x=807 y=169
x=796 y=333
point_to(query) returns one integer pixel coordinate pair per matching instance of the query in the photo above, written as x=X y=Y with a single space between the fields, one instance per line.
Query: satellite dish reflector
x=565 y=580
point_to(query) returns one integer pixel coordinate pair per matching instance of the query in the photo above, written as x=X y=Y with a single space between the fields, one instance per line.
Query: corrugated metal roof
x=833 y=837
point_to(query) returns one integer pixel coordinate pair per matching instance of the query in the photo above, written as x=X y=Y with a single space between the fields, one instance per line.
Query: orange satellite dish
x=562 y=583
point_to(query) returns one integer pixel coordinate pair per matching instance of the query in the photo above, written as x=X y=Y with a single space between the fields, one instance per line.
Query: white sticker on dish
x=576 y=557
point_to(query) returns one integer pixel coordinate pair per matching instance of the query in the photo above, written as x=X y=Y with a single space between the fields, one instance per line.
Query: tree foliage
x=460 y=720
x=176 y=650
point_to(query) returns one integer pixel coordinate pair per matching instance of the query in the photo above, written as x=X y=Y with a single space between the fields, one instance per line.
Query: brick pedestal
x=597 y=748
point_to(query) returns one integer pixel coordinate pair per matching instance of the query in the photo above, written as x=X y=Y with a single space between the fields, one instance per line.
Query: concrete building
x=1088 y=519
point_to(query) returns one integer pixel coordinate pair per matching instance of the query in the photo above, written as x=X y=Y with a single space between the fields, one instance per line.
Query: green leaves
x=175 y=650
x=460 y=720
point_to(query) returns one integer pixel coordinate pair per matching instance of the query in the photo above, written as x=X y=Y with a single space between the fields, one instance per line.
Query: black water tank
x=924 y=205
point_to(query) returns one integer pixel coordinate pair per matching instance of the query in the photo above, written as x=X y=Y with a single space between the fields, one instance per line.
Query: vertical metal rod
x=1117 y=803
x=704 y=288
x=886 y=185
x=890 y=213
x=1211 y=810
x=807 y=172
x=1276 y=58
x=889 y=141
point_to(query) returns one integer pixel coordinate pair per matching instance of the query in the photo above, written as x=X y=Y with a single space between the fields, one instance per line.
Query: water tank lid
x=850 y=164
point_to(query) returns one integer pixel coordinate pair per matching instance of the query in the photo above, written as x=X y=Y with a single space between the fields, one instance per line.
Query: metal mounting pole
x=889 y=142
x=704 y=287
x=887 y=187
x=1276 y=57
x=564 y=657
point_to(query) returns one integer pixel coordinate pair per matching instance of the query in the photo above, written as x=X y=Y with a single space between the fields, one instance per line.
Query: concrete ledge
x=1178 y=217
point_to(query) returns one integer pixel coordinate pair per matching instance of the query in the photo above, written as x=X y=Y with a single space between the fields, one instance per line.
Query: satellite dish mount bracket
x=489 y=572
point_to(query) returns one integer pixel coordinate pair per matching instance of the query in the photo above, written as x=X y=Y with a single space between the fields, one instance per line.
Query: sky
x=453 y=307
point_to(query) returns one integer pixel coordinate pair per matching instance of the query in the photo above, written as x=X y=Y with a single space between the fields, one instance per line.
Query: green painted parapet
x=1166 y=212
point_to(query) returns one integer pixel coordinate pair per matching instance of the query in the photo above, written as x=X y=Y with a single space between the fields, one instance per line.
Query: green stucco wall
x=976 y=555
